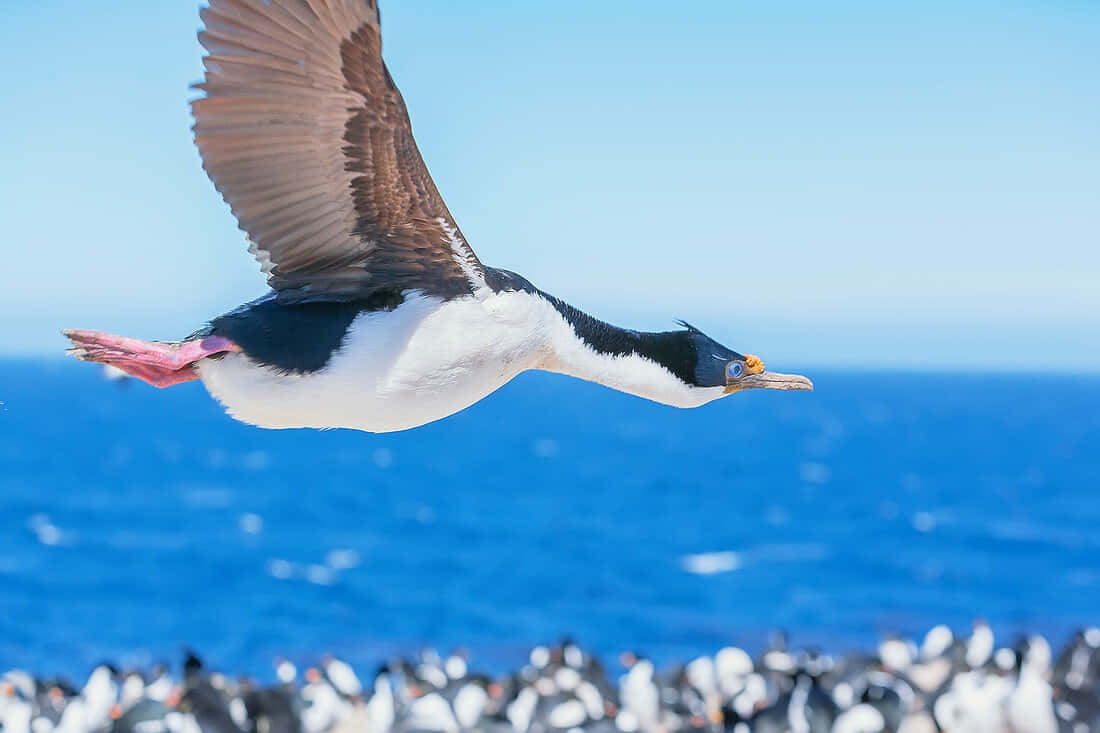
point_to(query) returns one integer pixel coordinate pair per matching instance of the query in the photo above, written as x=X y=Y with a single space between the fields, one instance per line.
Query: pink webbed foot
x=161 y=364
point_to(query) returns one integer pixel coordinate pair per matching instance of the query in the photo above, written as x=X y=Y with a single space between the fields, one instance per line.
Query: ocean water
x=133 y=520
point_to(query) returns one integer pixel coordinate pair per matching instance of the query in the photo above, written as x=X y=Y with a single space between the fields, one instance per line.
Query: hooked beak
x=771 y=380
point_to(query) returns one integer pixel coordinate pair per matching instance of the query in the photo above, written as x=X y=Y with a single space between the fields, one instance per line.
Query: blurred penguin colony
x=946 y=683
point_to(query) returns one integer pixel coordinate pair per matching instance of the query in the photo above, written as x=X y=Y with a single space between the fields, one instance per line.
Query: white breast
x=396 y=369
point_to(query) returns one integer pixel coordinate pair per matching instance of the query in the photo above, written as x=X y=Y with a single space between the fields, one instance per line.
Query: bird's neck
x=656 y=366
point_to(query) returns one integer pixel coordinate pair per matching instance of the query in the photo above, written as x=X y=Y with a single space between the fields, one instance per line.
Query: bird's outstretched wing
x=307 y=138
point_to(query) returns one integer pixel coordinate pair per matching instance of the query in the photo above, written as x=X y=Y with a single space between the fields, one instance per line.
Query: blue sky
x=910 y=184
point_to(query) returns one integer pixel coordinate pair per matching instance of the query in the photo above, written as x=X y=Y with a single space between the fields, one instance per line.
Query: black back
x=275 y=707
x=299 y=338
x=209 y=707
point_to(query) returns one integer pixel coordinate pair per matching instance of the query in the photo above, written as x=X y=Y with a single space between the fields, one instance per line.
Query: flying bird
x=380 y=317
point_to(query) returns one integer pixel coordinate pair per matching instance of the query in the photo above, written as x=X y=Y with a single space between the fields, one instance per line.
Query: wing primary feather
x=308 y=140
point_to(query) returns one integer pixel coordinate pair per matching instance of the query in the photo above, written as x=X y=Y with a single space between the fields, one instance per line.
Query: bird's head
x=717 y=367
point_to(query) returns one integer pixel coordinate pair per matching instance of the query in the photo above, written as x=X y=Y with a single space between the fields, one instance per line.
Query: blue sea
x=133 y=521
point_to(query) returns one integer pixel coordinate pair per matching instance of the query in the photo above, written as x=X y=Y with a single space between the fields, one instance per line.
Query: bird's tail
x=161 y=364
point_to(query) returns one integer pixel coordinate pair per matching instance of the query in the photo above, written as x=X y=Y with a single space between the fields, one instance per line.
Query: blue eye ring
x=735 y=369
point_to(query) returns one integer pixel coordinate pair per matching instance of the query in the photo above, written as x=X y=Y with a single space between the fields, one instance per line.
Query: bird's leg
x=161 y=364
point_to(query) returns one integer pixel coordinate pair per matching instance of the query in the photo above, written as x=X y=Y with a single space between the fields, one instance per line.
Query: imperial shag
x=380 y=315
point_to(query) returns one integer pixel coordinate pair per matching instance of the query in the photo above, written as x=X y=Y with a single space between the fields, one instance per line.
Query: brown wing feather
x=307 y=138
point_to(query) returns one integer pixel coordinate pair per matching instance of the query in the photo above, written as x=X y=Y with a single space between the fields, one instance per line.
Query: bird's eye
x=735 y=369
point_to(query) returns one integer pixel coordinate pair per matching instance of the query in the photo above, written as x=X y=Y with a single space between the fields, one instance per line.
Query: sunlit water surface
x=134 y=520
